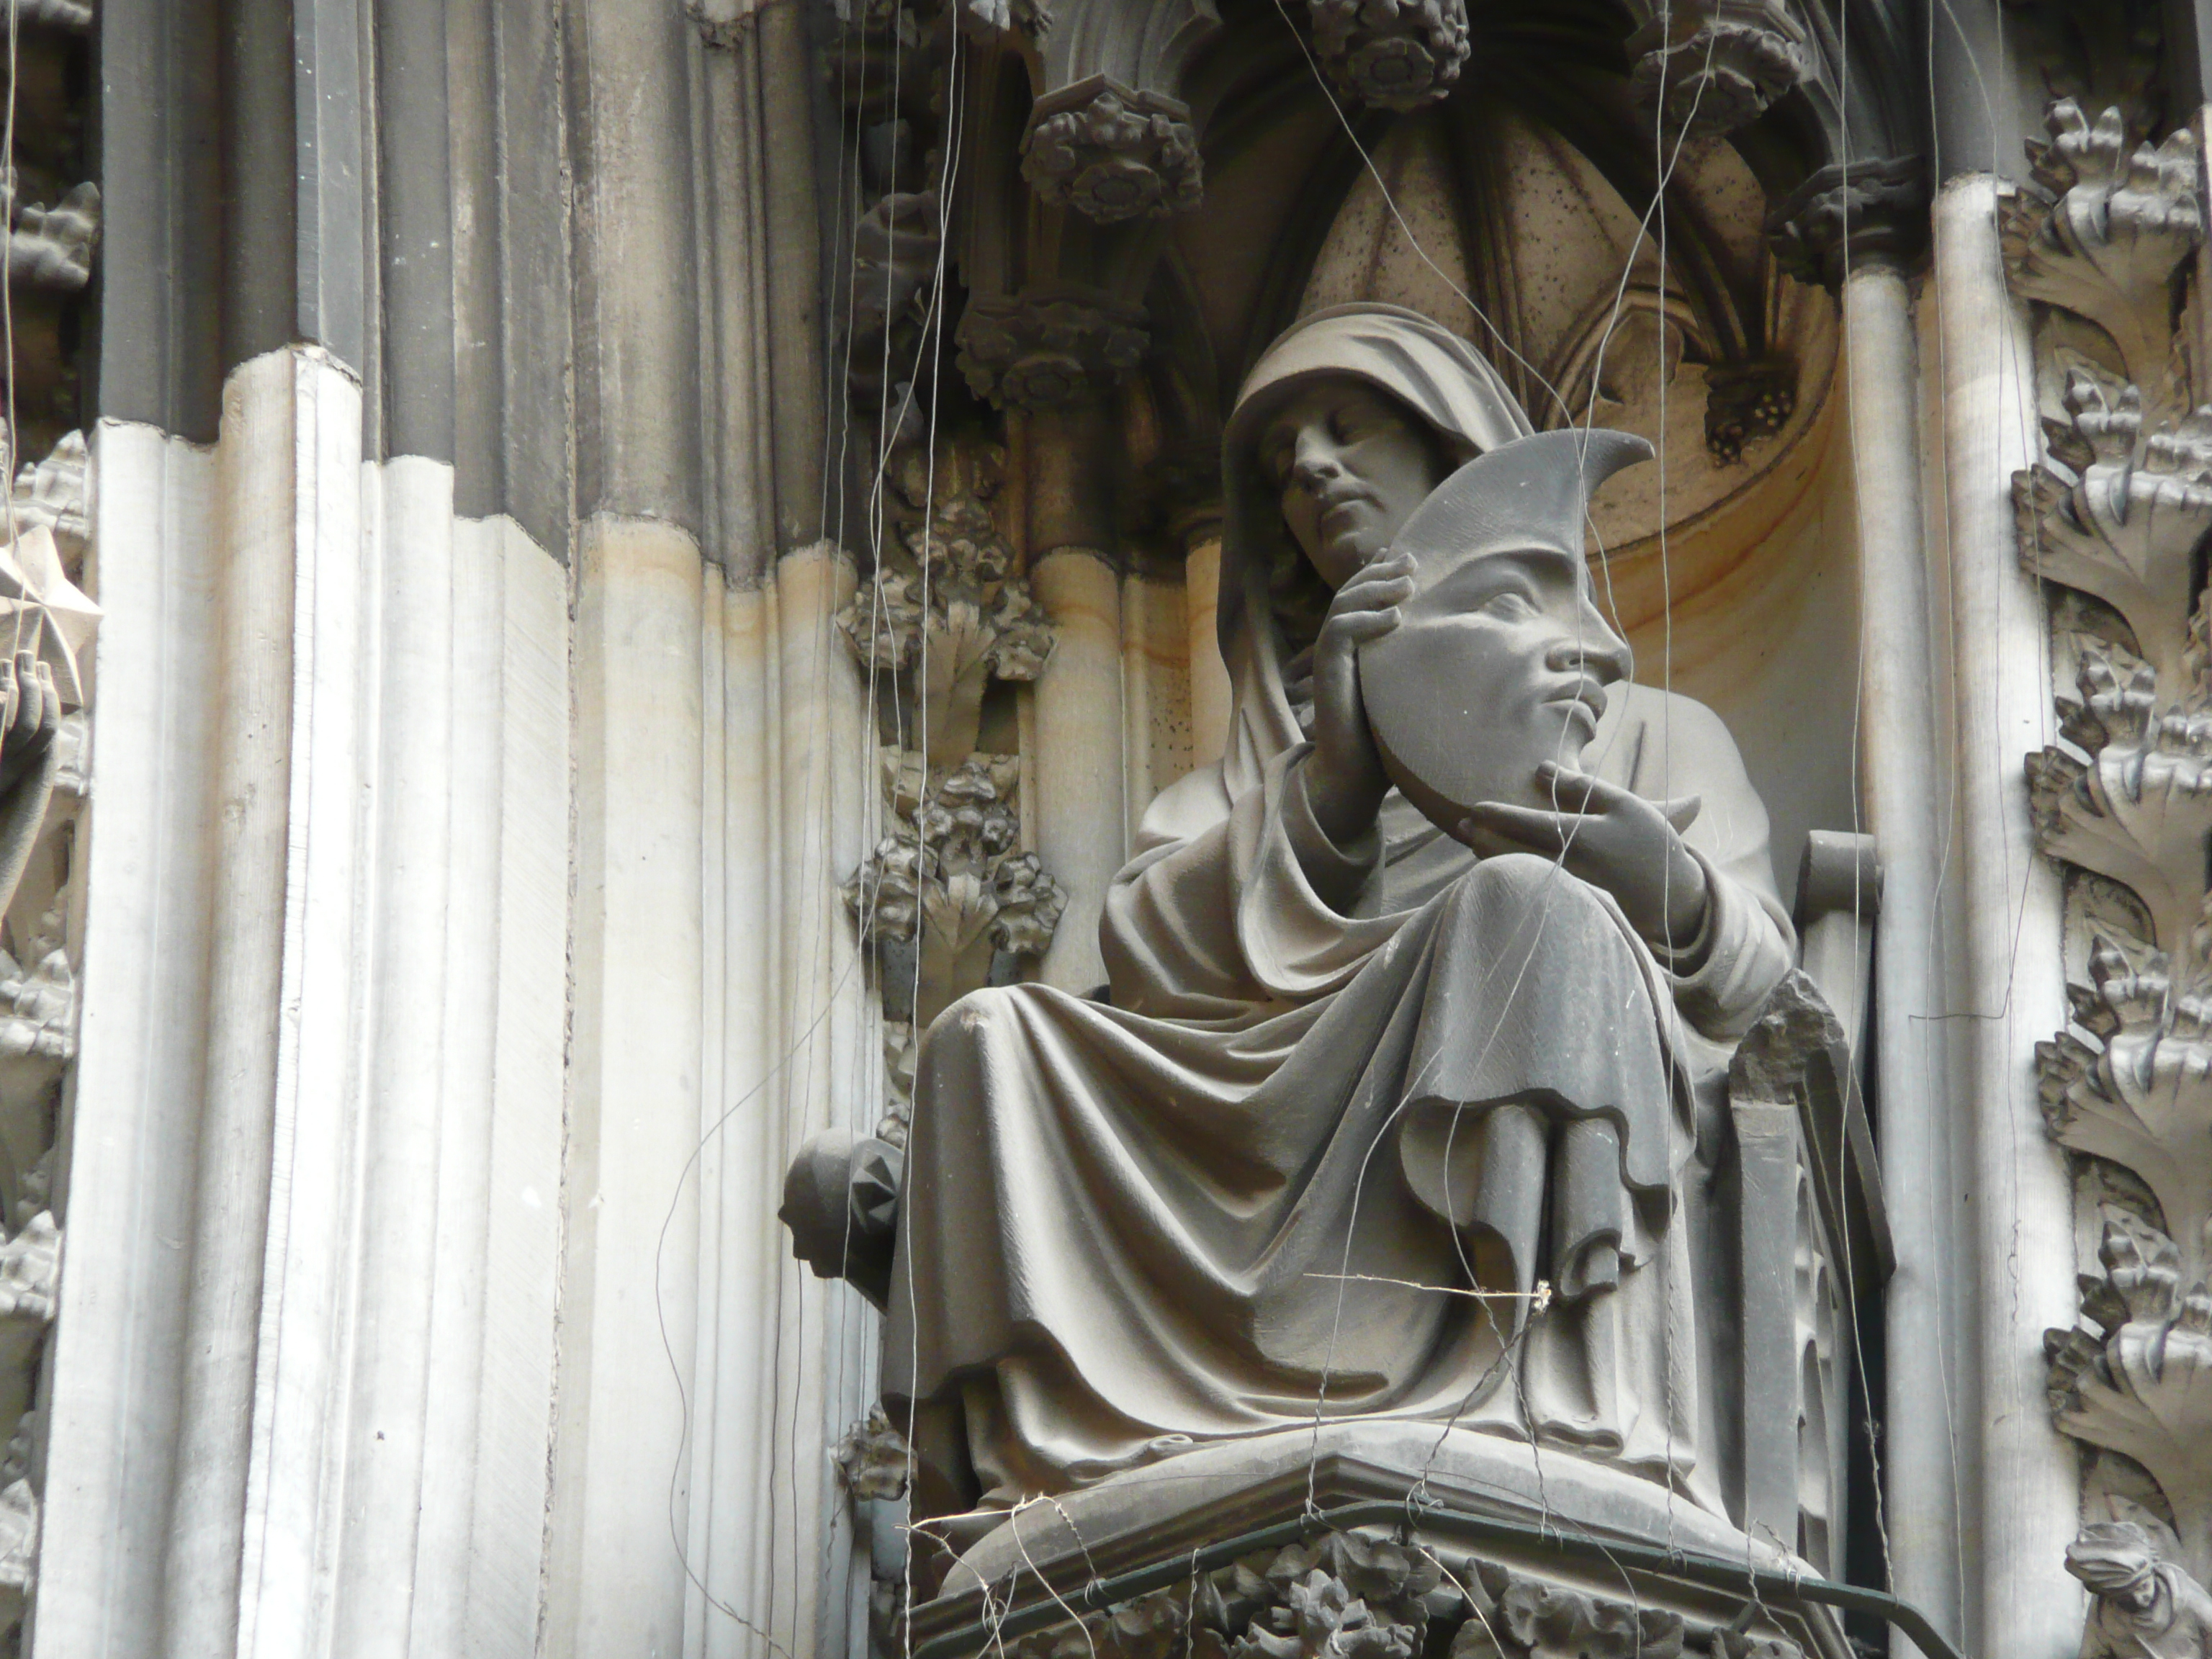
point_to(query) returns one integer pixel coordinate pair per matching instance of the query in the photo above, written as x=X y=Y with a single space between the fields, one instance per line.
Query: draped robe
x=1201 y=1208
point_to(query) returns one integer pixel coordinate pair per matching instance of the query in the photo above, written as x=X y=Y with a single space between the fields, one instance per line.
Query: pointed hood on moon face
x=1532 y=493
x=1465 y=700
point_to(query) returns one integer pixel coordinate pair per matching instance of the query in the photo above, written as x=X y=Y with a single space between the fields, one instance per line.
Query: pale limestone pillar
x=785 y=1361
x=1925 y=1405
x=627 y=1330
x=1210 y=692
x=359 y=783
x=1079 y=770
x=2008 y=995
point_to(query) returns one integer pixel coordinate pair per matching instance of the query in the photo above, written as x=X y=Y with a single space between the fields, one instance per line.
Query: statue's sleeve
x=1746 y=944
x=1231 y=901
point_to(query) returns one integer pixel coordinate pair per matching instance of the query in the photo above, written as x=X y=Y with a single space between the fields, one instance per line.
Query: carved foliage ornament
x=2115 y=509
x=946 y=610
x=1113 y=153
x=1394 y=54
x=1047 y=347
x=1711 y=66
x=1847 y=212
x=1351 y=1596
x=954 y=876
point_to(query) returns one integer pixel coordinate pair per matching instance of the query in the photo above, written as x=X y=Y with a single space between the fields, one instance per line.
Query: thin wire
x=956 y=111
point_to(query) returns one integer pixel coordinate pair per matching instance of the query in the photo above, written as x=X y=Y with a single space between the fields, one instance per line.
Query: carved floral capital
x=1711 y=66
x=1113 y=153
x=1394 y=54
x=1049 y=348
x=1848 y=213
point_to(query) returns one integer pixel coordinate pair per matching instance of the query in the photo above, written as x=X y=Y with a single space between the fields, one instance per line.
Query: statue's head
x=1350 y=462
x=1345 y=423
x=1367 y=427
x=2118 y=1561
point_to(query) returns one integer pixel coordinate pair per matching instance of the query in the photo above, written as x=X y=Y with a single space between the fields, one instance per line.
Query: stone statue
x=2145 y=1606
x=1378 y=1115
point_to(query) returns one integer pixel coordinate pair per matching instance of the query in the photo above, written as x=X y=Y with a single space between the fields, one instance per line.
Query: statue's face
x=1351 y=465
x=1499 y=662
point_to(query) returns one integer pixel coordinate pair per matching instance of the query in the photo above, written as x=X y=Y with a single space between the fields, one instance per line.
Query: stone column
x=1080 y=812
x=2007 y=994
x=1923 y=1401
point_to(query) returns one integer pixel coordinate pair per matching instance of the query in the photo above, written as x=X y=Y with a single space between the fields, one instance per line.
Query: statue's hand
x=30 y=714
x=1344 y=781
x=1612 y=838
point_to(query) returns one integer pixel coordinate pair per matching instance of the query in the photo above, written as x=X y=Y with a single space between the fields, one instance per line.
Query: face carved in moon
x=1514 y=660
x=1500 y=658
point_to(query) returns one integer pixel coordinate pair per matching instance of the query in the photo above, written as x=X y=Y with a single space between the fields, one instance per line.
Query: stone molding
x=2115 y=510
x=1353 y=1595
x=1848 y=213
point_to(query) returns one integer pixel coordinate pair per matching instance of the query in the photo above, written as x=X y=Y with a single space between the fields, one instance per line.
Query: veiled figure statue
x=1374 y=1117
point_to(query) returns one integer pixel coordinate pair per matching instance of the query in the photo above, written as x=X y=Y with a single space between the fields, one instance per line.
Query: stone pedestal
x=1380 y=1540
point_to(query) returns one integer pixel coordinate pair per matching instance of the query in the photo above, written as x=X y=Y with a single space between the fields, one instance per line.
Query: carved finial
x=1747 y=403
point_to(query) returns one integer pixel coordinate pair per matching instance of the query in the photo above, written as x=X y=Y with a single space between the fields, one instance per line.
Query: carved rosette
x=1113 y=153
x=1049 y=348
x=1394 y=54
x=2115 y=509
x=1711 y=66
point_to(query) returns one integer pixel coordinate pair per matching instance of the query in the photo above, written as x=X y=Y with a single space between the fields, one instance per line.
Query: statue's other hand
x=1344 y=781
x=30 y=715
x=1612 y=838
